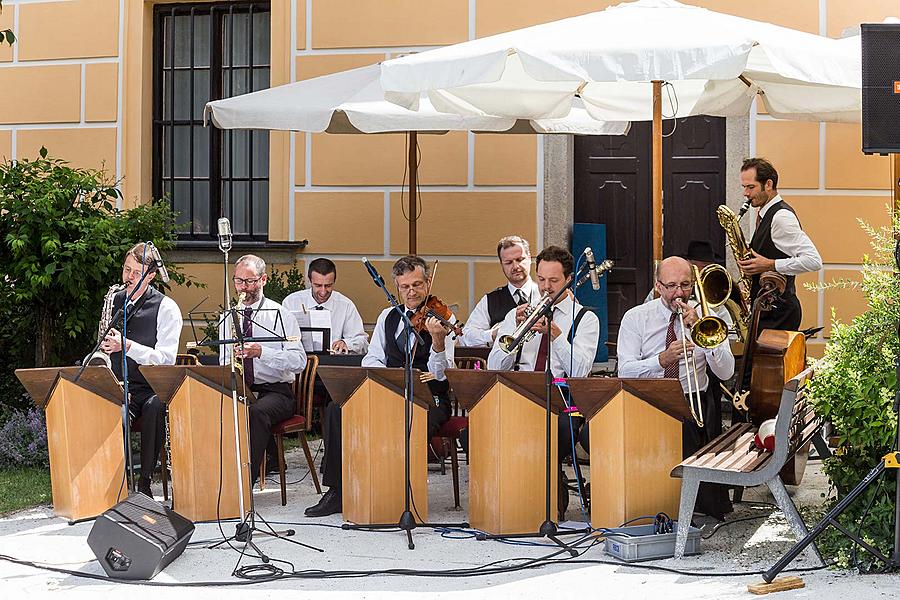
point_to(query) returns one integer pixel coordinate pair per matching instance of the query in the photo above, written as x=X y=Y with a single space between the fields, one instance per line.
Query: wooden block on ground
x=780 y=584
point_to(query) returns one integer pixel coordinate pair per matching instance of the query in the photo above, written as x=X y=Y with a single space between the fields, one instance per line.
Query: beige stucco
x=93 y=148
x=32 y=102
x=101 y=92
x=68 y=29
x=793 y=147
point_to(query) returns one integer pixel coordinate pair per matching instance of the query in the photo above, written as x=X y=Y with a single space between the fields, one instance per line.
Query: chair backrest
x=187 y=359
x=796 y=420
x=470 y=362
x=303 y=389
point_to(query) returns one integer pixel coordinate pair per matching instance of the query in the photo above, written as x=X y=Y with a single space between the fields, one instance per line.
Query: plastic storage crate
x=639 y=542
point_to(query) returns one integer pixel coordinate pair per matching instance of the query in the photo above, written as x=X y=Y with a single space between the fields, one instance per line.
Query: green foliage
x=282 y=283
x=62 y=242
x=854 y=388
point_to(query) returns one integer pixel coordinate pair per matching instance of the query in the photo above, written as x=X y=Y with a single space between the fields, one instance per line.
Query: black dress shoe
x=144 y=487
x=329 y=504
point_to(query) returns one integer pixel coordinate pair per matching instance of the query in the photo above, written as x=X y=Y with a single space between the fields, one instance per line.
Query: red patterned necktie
x=671 y=371
x=540 y=363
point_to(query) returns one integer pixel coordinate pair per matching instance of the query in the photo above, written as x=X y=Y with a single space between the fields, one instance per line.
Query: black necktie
x=320 y=307
x=402 y=337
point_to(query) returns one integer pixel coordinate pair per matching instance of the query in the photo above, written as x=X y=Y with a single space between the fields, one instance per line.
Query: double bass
x=777 y=356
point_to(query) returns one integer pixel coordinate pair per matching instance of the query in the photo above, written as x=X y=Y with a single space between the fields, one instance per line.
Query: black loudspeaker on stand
x=138 y=537
x=880 y=88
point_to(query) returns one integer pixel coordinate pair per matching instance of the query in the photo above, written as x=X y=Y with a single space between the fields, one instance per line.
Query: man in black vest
x=433 y=354
x=515 y=260
x=778 y=244
x=154 y=327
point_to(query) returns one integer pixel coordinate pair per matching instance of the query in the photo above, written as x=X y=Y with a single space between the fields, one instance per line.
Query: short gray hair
x=408 y=264
x=254 y=262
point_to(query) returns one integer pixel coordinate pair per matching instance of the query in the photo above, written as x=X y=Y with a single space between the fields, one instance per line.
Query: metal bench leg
x=689 y=487
x=784 y=502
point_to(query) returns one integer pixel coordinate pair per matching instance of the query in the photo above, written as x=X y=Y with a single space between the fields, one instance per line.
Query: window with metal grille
x=204 y=52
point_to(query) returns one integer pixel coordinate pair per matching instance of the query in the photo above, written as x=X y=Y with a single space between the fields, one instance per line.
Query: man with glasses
x=270 y=367
x=388 y=349
x=154 y=326
x=650 y=345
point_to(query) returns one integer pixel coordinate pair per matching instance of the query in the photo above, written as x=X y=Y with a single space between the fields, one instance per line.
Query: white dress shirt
x=438 y=362
x=642 y=337
x=279 y=361
x=565 y=358
x=168 y=331
x=477 y=330
x=793 y=241
x=346 y=323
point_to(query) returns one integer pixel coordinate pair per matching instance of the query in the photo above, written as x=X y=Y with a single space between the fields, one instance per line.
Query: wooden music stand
x=200 y=412
x=373 y=439
x=84 y=437
x=635 y=443
x=507 y=421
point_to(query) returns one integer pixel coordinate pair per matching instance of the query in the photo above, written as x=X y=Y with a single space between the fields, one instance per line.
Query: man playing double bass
x=390 y=341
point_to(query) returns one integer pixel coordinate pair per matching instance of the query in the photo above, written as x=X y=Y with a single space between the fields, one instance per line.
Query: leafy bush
x=62 y=242
x=23 y=440
x=854 y=387
x=282 y=283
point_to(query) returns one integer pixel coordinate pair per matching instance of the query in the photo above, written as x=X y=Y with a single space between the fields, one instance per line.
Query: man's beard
x=252 y=297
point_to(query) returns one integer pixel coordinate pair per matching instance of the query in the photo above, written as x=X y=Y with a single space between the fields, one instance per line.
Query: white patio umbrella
x=353 y=102
x=615 y=63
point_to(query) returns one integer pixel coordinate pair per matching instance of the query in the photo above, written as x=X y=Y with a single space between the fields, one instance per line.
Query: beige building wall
x=87 y=99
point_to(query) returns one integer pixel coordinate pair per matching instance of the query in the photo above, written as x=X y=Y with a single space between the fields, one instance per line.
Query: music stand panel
x=373 y=447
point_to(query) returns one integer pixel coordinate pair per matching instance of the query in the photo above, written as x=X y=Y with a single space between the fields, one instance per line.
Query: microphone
x=373 y=273
x=592 y=268
x=744 y=208
x=158 y=261
x=224 y=228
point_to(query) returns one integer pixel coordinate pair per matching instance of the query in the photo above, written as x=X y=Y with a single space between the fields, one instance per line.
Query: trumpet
x=524 y=332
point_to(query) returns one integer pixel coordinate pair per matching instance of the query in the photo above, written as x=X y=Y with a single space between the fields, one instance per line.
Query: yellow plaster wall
x=831 y=222
x=68 y=29
x=846 y=167
x=93 y=148
x=5 y=145
x=341 y=222
x=101 y=92
x=846 y=302
x=7 y=21
x=842 y=14
x=505 y=159
x=32 y=100
x=793 y=147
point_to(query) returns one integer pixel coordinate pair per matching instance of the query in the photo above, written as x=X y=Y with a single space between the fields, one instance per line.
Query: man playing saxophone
x=154 y=327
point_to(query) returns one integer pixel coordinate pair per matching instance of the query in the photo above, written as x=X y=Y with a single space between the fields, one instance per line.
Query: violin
x=434 y=307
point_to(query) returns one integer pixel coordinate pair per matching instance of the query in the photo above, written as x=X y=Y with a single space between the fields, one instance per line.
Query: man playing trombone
x=652 y=343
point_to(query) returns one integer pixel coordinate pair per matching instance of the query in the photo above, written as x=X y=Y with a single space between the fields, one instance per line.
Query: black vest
x=499 y=303
x=395 y=354
x=141 y=329
x=762 y=243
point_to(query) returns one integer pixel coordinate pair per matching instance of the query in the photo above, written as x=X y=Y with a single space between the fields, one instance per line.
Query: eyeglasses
x=416 y=285
x=671 y=287
x=241 y=281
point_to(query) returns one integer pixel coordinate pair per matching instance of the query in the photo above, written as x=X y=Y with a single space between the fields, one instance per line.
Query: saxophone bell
x=101 y=358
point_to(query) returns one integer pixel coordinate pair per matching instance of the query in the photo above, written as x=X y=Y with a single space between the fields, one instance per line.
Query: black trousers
x=331 y=438
x=712 y=498
x=578 y=429
x=146 y=406
x=274 y=403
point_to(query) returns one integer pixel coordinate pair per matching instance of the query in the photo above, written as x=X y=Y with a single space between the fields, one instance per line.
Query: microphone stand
x=126 y=403
x=407 y=521
x=548 y=529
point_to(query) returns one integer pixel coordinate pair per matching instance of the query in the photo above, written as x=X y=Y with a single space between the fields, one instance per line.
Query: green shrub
x=853 y=388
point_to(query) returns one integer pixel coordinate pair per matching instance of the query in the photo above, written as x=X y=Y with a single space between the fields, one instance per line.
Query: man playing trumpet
x=651 y=345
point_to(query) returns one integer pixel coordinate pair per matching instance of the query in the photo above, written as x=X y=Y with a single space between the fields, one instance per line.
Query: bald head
x=673 y=280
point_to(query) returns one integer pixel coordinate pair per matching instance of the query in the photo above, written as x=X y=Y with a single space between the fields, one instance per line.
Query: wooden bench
x=733 y=459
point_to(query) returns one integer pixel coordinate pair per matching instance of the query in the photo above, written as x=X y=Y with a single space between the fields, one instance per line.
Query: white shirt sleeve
x=291 y=357
x=498 y=360
x=354 y=334
x=168 y=331
x=721 y=360
x=579 y=359
x=375 y=357
x=628 y=350
x=477 y=331
x=793 y=241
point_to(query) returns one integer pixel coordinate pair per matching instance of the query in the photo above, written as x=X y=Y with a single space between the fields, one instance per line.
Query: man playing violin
x=432 y=352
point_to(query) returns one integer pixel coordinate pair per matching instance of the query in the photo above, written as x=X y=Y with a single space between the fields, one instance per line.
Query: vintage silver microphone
x=592 y=268
x=158 y=261
x=224 y=228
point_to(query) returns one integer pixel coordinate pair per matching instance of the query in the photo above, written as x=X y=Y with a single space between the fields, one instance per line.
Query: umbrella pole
x=657 y=167
x=413 y=189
